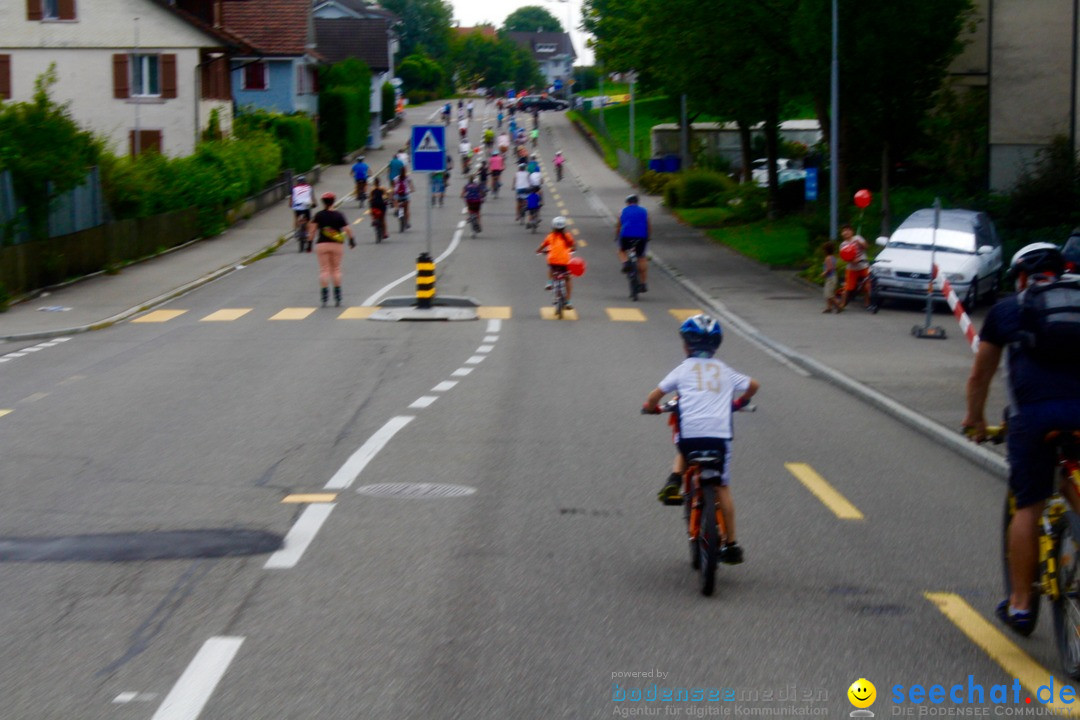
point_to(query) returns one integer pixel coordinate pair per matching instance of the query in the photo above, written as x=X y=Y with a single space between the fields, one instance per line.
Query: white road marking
x=374 y=299
x=191 y=692
x=300 y=536
x=475 y=360
x=352 y=468
x=461 y=372
x=36 y=348
x=485 y=348
x=494 y=325
x=423 y=402
x=15 y=355
x=444 y=386
x=491 y=338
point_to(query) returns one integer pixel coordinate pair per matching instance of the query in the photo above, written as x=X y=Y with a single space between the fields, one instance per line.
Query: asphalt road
x=531 y=584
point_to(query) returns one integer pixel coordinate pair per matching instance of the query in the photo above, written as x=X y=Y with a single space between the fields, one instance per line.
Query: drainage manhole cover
x=423 y=491
x=127 y=547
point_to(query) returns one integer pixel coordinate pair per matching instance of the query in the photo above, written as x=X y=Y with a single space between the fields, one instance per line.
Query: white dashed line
x=461 y=372
x=491 y=338
x=475 y=360
x=485 y=348
x=194 y=688
x=494 y=325
x=423 y=402
x=444 y=386
x=352 y=468
x=303 y=532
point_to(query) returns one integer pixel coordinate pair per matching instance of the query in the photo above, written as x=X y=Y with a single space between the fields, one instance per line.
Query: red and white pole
x=958 y=310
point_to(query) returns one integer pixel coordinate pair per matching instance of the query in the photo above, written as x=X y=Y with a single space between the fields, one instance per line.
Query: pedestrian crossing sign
x=429 y=148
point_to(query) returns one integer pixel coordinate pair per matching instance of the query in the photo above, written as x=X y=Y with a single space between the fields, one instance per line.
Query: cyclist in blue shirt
x=360 y=172
x=632 y=231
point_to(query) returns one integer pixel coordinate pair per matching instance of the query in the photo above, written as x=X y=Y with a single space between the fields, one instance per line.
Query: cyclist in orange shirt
x=559 y=245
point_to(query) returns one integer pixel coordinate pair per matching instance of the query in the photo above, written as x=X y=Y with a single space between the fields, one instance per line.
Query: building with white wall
x=140 y=73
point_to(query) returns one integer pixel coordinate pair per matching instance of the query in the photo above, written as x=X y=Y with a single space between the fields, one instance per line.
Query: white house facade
x=135 y=72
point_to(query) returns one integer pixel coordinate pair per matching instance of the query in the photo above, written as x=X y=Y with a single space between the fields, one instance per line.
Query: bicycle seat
x=1067 y=440
x=706 y=459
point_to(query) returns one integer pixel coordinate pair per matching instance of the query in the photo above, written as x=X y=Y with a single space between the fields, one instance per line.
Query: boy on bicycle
x=559 y=245
x=708 y=391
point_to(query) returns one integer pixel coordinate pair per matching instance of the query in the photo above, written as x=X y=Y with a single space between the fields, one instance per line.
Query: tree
x=425 y=26
x=531 y=18
x=46 y=152
x=482 y=60
x=420 y=72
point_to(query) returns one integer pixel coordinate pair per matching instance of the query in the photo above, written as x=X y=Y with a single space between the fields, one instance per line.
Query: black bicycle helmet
x=1040 y=257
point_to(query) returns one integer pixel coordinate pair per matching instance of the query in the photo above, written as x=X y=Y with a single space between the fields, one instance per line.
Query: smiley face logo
x=862 y=693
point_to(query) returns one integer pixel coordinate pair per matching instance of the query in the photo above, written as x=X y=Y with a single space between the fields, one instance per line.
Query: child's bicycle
x=558 y=288
x=1059 y=548
x=631 y=270
x=705 y=531
x=378 y=221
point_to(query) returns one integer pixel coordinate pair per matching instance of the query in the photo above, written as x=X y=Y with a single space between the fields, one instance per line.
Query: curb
x=154 y=302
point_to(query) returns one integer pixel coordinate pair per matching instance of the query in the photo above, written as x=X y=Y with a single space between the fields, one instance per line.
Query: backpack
x=1050 y=321
x=474 y=193
x=401 y=186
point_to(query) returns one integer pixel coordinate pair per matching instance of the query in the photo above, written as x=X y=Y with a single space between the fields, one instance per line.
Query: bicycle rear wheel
x=709 y=540
x=1007 y=518
x=1067 y=605
x=401 y=221
x=632 y=278
x=560 y=298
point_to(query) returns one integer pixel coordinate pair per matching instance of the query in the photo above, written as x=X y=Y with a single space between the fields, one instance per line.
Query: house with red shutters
x=143 y=74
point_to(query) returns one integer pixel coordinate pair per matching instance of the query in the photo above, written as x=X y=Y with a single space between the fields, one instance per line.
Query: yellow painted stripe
x=310 y=498
x=357 y=313
x=825 y=492
x=5 y=412
x=494 y=312
x=548 y=313
x=159 y=316
x=1014 y=661
x=226 y=314
x=581 y=243
x=681 y=314
x=625 y=314
x=297 y=313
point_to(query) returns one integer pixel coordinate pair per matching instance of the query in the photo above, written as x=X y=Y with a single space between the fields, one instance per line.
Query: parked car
x=540 y=102
x=966 y=248
x=1071 y=251
x=786 y=171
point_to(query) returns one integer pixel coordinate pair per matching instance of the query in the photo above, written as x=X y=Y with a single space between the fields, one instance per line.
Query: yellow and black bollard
x=425 y=281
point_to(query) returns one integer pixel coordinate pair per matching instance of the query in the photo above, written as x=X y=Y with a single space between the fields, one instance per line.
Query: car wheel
x=971 y=299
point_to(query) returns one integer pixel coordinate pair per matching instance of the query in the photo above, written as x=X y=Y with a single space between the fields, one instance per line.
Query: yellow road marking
x=625 y=314
x=5 y=412
x=159 y=316
x=493 y=312
x=35 y=397
x=581 y=243
x=825 y=492
x=1014 y=661
x=681 y=314
x=293 y=313
x=548 y=313
x=226 y=315
x=310 y=498
x=357 y=313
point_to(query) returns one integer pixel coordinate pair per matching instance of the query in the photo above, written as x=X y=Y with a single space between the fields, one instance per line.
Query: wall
x=280 y=95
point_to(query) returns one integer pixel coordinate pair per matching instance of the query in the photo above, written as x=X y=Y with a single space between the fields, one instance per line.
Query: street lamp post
x=834 y=123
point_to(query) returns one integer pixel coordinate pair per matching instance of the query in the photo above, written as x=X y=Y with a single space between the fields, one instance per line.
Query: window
x=546 y=47
x=148 y=141
x=255 y=76
x=145 y=76
x=50 y=9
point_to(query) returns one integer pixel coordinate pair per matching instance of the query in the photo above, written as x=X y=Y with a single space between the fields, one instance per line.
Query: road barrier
x=425 y=280
x=958 y=310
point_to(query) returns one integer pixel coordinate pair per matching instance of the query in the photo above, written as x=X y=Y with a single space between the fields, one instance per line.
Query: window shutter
x=33 y=10
x=148 y=140
x=168 y=76
x=65 y=9
x=121 y=82
x=5 y=77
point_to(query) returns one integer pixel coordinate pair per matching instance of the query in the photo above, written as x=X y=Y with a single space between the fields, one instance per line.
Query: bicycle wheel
x=709 y=541
x=1007 y=517
x=632 y=278
x=560 y=298
x=378 y=231
x=1067 y=606
x=401 y=221
x=300 y=238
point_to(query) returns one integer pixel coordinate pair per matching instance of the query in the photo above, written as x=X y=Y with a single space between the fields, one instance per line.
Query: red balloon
x=576 y=266
x=863 y=198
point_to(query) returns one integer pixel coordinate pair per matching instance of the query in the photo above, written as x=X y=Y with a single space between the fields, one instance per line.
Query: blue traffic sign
x=811 y=184
x=428 y=148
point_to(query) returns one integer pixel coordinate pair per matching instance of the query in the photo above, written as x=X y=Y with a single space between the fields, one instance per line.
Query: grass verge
x=780 y=243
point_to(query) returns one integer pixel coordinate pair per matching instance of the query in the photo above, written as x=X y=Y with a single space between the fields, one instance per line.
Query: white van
x=967 y=251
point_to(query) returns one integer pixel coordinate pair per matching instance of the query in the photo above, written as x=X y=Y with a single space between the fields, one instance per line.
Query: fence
x=80 y=208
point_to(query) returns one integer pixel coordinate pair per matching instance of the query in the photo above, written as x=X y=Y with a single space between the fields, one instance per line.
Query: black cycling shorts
x=717 y=445
x=638 y=244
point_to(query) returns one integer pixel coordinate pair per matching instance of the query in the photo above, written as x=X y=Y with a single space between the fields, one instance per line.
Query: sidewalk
x=875 y=357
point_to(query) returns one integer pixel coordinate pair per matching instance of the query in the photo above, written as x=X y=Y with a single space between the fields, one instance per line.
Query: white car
x=965 y=247
x=786 y=171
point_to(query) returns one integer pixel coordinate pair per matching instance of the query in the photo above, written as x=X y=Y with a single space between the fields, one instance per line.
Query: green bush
x=654 y=183
x=389 y=102
x=673 y=192
x=294 y=133
x=339 y=129
x=698 y=188
x=747 y=201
